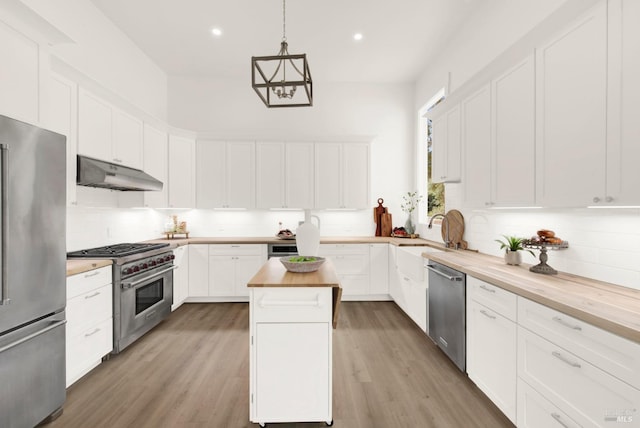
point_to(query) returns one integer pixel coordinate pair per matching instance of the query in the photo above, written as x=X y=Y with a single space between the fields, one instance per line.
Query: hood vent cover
x=97 y=173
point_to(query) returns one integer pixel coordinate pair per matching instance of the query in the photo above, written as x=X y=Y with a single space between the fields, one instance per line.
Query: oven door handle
x=132 y=284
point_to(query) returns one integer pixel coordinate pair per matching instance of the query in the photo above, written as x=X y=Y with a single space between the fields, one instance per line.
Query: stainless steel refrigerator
x=32 y=273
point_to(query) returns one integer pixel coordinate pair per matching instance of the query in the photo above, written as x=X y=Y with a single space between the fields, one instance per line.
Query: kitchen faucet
x=444 y=220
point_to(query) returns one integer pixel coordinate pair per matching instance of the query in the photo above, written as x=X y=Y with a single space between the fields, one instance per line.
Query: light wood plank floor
x=193 y=371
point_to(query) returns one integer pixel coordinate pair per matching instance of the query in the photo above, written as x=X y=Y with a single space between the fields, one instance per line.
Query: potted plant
x=512 y=245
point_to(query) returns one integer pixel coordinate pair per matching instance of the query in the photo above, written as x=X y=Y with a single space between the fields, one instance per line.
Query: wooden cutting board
x=387 y=225
x=455 y=224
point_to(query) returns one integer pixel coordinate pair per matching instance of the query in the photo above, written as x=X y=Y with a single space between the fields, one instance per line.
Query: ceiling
x=400 y=37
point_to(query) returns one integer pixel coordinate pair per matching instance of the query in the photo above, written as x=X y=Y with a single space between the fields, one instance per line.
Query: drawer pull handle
x=90 y=296
x=566 y=324
x=485 y=288
x=558 y=419
x=562 y=358
x=94 y=273
x=92 y=333
x=264 y=303
x=486 y=314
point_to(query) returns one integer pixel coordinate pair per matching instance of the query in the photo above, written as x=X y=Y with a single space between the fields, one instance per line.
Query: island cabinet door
x=292 y=372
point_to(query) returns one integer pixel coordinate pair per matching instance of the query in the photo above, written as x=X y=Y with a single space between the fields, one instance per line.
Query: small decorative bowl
x=301 y=267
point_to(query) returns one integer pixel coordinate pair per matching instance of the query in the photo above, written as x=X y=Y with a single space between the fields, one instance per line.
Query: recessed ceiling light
x=357 y=36
x=216 y=32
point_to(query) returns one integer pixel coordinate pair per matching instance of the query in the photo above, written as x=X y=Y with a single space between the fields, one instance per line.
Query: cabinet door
x=180 y=276
x=198 y=270
x=241 y=174
x=513 y=143
x=328 y=180
x=156 y=153
x=210 y=173
x=491 y=356
x=245 y=268
x=63 y=118
x=378 y=268
x=127 y=144
x=181 y=175
x=286 y=388
x=94 y=126
x=222 y=276
x=623 y=150
x=355 y=175
x=270 y=175
x=19 y=75
x=476 y=135
x=438 y=149
x=571 y=113
x=299 y=176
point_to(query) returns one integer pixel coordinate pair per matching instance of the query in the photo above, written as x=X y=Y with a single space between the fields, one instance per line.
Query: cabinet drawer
x=334 y=249
x=291 y=304
x=500 y=300
x=85 y=350
x=89 y=309
x=613 y=354
x=236 y=249
x=86 y=281
x=587 y=394
x=535 y=411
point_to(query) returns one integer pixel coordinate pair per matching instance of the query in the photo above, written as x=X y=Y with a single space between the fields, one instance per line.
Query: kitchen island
x=291 y=318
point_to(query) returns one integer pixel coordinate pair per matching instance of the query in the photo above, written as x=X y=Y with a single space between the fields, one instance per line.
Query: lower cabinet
x=89 y=328
x=534 y=411
x=491 y=344
x=379 y=270
x=220 y=272
x=180 y=276
x=351 y=262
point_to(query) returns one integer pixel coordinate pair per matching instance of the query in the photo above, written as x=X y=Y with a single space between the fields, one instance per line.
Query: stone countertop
x=611 y=307
x=76 y=266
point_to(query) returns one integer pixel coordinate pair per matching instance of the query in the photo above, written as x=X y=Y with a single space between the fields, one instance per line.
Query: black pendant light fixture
x=289 y=84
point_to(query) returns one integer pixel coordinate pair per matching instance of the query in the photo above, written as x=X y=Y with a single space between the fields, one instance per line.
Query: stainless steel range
x=142 y=287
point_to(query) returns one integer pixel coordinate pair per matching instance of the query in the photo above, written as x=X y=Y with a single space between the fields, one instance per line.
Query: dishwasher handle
x=442 y=274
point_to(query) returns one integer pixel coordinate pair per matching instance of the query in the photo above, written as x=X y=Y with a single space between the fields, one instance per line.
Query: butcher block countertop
x=323 y=240
x=77 y=266
x=608 y=306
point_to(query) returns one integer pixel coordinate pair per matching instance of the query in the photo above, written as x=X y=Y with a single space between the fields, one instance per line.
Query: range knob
x=144 y=266
x=136 y=268
x=167 y=259
x=160 y=260
x=172 y=256
x=152 y=263
x=127 y=271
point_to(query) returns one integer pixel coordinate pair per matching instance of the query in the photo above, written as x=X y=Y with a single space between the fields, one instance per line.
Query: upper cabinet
x=225 y=174
x=623 y=126
x=571 y=113
x=106 y=133
x=20 y=75
x=284 y=175
x=342 y=175
x=181 y=186
x=156 y=152
x=446 y=147
x=476 y=137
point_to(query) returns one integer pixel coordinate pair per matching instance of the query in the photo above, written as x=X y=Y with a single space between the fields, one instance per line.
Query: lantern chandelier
x=290 y=83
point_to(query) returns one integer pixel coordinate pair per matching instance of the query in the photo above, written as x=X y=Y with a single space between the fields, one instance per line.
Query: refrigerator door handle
x=32 y=335
x=4 y=220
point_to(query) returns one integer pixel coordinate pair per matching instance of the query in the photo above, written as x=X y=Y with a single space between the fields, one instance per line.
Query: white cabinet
x=284 y=175
x=476 y=138
x=181 y=172
x=571 y=105
x=623 y=126
x=342 y=173
x=225 y=174
x=220 y=272
x=180 y=276
x=107 y=133
x=446 y=146
x=379 y=270
x=156 y=156
x=89 y=328
x=20 y=75
x=63 y=118
x=491 y=343
x=534 y=411
x=291 y=362
x=413 y=284
x=351 y=263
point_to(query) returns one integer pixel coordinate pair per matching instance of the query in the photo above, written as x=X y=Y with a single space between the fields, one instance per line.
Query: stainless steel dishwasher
x=447 y=311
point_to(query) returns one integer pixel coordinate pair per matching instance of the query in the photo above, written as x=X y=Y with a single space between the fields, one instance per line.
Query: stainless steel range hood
x=97 y=173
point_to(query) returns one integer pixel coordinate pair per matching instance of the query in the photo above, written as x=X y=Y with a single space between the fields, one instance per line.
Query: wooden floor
x=193 y=371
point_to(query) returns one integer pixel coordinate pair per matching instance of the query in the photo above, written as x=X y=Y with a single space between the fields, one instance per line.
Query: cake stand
x=543 y=267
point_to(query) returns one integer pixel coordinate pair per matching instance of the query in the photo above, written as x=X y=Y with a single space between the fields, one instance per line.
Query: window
x=435 y=191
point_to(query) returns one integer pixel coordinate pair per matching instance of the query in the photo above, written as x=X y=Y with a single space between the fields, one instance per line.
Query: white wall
x=103 y=53
x=380 y=113
x=603 y=244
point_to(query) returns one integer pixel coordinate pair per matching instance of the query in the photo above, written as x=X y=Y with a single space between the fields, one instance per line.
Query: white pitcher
x=308 y=236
